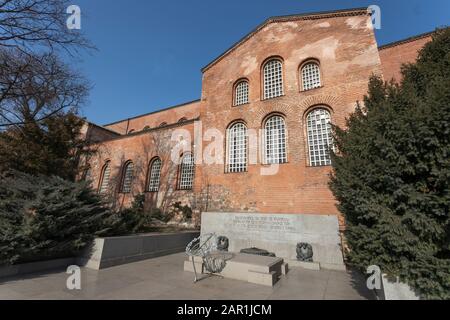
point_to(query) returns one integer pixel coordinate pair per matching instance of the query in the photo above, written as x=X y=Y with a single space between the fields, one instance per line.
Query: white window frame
x=104 y=178
x=237 y=148
x=319 y=135
x=310 y=75
x=273 y=85
x=241 y=93
x=275 y=140
x=127 y=177
x=154 y=175
x=187 y=172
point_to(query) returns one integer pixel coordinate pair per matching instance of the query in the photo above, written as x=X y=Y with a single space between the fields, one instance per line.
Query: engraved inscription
x=263 y=223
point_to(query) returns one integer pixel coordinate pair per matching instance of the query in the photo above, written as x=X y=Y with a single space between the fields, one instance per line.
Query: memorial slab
x=255 y=269
x=280 y=234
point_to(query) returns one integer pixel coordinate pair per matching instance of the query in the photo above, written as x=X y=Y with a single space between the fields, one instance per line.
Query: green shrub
x=46 y=217
x=158 y=214
x=185 y=210
x=133 y=220
x=392 y=173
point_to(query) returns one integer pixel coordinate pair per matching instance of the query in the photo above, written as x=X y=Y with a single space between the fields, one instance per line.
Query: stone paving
x=164 y=278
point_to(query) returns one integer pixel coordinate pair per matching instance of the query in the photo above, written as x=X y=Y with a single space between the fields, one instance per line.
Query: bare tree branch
x=28 y=25
x=36 y=87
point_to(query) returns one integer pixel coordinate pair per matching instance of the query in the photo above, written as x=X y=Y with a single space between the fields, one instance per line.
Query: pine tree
x=52 y=147
x=392 y=172
x=46 y=217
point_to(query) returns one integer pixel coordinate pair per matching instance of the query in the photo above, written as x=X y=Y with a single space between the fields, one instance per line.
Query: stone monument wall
x=280 y=234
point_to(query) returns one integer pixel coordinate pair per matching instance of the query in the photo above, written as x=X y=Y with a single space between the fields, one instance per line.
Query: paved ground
x=164 y=278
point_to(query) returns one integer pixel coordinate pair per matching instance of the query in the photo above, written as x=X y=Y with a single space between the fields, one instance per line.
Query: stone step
x=264 y=279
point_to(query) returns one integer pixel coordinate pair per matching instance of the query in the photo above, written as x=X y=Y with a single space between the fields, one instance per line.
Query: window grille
x=241 y=93
x=104 y=182
x=319 y=137
x=275 y=140
x=311 y=76
x=273 y=79
x=154 y=175
x=237 y=148
x=187 y=171
x=127 y=177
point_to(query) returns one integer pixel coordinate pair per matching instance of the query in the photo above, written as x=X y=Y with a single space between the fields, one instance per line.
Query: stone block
x=284 y=269
x=305 y=265
x=263 y=279
x=249 y=268
x=108 y=252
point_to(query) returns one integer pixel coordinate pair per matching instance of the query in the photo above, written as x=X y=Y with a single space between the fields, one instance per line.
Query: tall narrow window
x=311 y=76
x=187 y=171
x=273 y=79
x=154 y=175
x=275 y=140
x=104 y=178
x=241 y=93
x=127 y=179
x=237 y=148
x=319 y=137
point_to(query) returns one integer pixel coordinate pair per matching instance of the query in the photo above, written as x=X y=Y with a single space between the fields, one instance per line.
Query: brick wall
x=394 y=55
x=141 y=148
x=348 y=55
x=343 y=44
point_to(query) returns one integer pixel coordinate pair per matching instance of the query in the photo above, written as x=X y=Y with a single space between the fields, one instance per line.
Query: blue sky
x=151 y=52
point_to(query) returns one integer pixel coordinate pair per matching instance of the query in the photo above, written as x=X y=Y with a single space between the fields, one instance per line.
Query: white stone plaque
x=279 y=233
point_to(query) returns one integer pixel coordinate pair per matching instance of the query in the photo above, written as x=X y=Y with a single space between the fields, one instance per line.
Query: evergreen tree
x=52 y=147
x=46 y=217
x=392 y=172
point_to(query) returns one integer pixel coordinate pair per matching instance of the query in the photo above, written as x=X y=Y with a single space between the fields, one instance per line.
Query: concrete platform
x=255 y=269
x=163 y=278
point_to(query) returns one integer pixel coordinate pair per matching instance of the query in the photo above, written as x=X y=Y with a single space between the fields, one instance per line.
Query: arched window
x=241 y=93
x=104 y=178
x=275 y=140
x=154 y=175
x=131 y=131
x=311 y=76
x=187 y=171
x=319 y=137
x=127 y=178
x=273 y=79
x=146 y=128
x=237 y=148
x=182 y=120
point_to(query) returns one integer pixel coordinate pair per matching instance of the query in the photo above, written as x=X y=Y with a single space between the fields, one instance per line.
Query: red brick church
x=258 y=139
